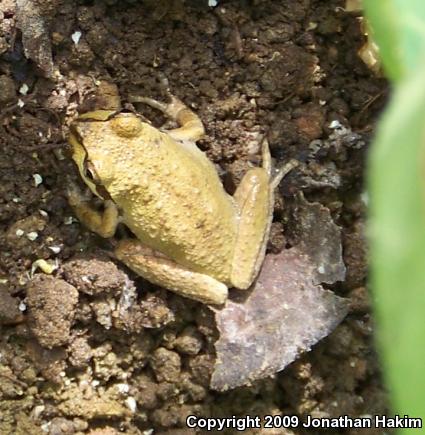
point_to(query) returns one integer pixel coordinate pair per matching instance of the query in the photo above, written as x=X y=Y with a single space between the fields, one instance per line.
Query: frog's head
x=99 y=143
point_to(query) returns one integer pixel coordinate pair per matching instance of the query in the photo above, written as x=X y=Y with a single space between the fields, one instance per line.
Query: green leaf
x=399 y=30
x=397 y=229
x=397 y=187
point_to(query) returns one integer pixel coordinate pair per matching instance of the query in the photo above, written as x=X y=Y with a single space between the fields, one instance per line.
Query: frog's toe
x=283 y=171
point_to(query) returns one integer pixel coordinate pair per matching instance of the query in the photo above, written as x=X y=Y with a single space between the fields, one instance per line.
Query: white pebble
x=45 y=426
x=131 y=404
x=123 y=388
x=335 y=124
x=212 y=3
x=76 y=37
x=19 y=232
x=22 y=306
x=20 y=103
x=32 y=235
x=69 y=220
x=38 y=179
x=43 y=213
x=24 y=89
x=55 y=249
x=37 y=411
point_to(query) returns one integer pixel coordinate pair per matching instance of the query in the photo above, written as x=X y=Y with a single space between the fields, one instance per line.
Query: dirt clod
x=51 y=305
x=94 y=275
x=10 y=313
x=189 y=341
x=7 y=89
x=166 y=364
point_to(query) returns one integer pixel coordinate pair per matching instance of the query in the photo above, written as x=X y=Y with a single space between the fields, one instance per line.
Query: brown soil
x=81 y=346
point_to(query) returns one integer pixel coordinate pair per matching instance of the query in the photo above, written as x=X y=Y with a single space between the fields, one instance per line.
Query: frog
x=190 y=235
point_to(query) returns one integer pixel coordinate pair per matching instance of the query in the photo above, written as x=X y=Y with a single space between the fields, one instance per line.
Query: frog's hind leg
x=191 y=125
x=162 y=271
x=255 y=199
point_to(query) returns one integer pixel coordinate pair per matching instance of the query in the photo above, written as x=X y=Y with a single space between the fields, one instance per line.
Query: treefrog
x=191 y=237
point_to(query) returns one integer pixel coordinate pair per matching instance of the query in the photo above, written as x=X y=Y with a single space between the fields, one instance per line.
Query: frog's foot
x=282 y=172
x=162 y=271
x=255 y=199
x=102 y=223
x=255 y=202
x=191 y=128
x=267 y=165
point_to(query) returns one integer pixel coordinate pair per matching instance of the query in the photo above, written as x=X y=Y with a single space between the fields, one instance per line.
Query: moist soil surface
x=86 y=346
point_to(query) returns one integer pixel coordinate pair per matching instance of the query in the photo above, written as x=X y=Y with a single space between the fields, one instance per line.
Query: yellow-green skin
x=192 y=237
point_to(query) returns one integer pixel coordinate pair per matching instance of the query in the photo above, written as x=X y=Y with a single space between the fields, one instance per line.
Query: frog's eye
x=89 y=174
x=89 y=171
x=127 y=125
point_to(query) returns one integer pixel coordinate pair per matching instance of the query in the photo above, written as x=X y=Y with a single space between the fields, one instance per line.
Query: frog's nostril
x=127 y=126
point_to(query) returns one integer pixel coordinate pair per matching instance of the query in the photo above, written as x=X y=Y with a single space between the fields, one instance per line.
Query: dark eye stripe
x=90 y=173
x=102 y=192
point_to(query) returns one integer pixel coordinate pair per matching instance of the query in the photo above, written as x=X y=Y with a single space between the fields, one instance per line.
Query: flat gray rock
x=264 y=329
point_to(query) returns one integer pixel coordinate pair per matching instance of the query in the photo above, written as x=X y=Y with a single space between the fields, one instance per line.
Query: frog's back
x=174 y=202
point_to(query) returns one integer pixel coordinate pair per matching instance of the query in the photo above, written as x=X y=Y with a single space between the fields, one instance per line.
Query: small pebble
x=55 y=249
x=335 y=124
x=38 y=179
x=24 y=89
x=32 y=235
x=69 y=220
x=76 y=37
x=123 y=388
x=131 y=404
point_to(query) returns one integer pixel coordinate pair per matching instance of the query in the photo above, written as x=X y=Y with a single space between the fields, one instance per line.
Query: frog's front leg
x=102 y=223
x=191 y=125
x=255 y=200
x=160 y=270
